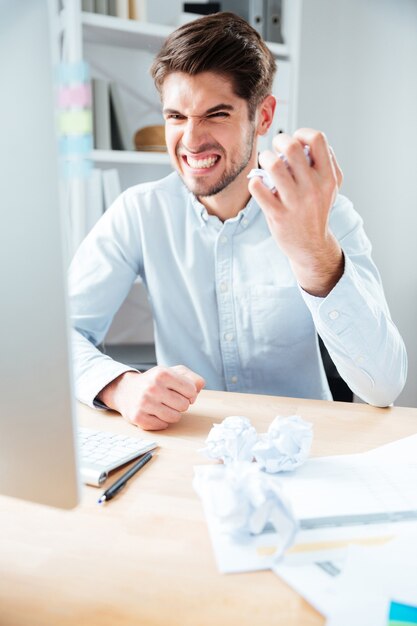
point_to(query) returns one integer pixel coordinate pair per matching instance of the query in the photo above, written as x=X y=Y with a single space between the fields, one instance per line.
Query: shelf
x=130 y=157
x=114 y=31
x=279 y=50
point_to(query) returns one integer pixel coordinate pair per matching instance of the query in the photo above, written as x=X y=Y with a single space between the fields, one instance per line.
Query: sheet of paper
x=314 y=563
x=400 y=451
x=372 y=579
x=340 y=490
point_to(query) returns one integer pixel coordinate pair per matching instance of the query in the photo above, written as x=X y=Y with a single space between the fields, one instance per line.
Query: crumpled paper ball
x=232 y=440
x=285 y=446
x=246 y=500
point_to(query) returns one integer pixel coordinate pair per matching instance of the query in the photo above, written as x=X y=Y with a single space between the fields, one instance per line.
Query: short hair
x=223 y=43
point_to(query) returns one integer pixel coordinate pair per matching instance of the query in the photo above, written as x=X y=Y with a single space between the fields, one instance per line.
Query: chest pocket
x=273 y=316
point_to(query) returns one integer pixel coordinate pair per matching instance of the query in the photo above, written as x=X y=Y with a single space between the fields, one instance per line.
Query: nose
x=194 y=135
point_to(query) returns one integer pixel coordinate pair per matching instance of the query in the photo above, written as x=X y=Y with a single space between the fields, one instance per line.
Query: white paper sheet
x=313 y=565
x=372 y=578
x=334 y=490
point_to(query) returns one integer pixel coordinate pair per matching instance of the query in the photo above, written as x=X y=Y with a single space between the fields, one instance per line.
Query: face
x=208 y=133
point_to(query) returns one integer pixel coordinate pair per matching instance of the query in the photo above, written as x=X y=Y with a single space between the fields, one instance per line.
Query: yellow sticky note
x=75 y=122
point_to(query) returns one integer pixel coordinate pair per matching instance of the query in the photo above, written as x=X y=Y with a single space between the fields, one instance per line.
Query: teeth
x=201 y=163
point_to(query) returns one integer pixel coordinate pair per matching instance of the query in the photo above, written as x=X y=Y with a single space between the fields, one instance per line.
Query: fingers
x=338 y=171
x=280 y=174
x=159 y=397
x=196 y=378
x=269 y=201
x=293 y=151
x=319 y=151
x=149 y=422
x=169 y=378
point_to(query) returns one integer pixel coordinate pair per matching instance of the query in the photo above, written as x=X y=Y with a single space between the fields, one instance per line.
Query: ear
x=265 y=114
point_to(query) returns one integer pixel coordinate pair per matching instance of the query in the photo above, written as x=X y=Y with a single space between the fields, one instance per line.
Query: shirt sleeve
x=353 y=320
x=100 y=277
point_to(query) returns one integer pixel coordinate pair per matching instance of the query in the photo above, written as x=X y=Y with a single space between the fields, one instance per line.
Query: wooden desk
x=145 y=558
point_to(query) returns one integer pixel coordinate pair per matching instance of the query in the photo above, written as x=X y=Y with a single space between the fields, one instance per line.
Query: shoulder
x=156 y=193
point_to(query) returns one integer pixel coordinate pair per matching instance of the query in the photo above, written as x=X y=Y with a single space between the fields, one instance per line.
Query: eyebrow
x=217 y=107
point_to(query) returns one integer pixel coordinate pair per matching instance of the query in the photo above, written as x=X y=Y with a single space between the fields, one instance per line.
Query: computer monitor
x=37 y=429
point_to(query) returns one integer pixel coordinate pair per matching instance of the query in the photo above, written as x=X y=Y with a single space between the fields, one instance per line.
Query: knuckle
x=320 y=137
x=183 y=404
x=293 y=148
x=175 y=417
x=146 y=398
x=152 y=390
x=277 y=165
x=162 y=375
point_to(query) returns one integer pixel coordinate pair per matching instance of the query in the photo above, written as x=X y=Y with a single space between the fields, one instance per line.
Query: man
x=240 y=278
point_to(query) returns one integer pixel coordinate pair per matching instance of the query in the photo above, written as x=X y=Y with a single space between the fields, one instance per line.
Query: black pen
x=119 y=484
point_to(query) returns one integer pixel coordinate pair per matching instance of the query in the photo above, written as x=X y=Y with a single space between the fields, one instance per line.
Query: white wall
x=358 y=83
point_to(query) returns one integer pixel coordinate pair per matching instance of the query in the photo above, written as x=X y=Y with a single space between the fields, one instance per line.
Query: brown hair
x=223 y=43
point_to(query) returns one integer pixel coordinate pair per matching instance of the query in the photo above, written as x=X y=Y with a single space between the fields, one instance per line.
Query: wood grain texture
x=145 y=557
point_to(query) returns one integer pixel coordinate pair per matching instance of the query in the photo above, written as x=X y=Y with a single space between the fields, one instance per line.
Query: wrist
x=112 y=394
x=321 y=270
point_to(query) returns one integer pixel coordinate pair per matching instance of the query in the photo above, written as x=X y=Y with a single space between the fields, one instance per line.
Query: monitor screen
x=37 y=429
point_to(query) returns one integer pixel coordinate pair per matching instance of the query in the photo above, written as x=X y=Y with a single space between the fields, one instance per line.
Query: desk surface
x=145 y=557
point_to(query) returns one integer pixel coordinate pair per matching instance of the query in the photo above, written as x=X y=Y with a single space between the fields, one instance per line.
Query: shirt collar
x=244 y=217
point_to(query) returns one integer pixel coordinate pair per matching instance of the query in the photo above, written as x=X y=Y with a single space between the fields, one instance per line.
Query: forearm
x=362 y=341
x=93 y=371
x=319 y=272
x=375 y=370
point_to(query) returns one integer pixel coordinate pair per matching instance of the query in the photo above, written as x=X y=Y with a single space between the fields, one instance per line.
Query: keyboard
x=101 y=452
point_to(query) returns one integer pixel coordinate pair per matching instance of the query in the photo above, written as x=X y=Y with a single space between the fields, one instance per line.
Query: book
x=101 y=6
x=88 y=6
x=119 y=8
x=122 y=138
x=111 y=186
x=101 y=114
x=137 y=10
x=156 y=11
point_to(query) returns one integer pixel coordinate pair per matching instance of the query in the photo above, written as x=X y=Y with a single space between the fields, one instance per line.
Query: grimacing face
x=209 y=136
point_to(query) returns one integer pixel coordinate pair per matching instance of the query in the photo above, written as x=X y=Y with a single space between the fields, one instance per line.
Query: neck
x=229 y=202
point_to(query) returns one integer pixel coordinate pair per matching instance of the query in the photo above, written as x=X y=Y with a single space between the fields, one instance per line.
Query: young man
x=240 y=278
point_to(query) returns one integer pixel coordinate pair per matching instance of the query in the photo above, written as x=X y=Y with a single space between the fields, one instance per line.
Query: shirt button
x=245 y=222
x=229 y=336
x=223 y=287
x=223 y=239
x=234 y=379
x=334 y=315
x=360 y=360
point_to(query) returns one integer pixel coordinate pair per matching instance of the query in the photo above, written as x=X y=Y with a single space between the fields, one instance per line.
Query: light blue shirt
x=225 y=301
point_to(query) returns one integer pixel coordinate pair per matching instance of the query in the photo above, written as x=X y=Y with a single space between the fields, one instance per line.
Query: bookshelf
x=128 y=157
x=114 y=31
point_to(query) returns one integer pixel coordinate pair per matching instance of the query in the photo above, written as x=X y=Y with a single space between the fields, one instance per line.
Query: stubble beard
x=199 y=188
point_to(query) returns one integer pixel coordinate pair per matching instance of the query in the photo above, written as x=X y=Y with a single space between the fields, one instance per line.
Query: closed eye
x=218 y=114
x=175 y=116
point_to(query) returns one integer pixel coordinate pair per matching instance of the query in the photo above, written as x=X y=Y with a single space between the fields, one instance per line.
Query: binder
x=123 y=139
x=253 y=11
x=273 y=21
x=101 y=110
